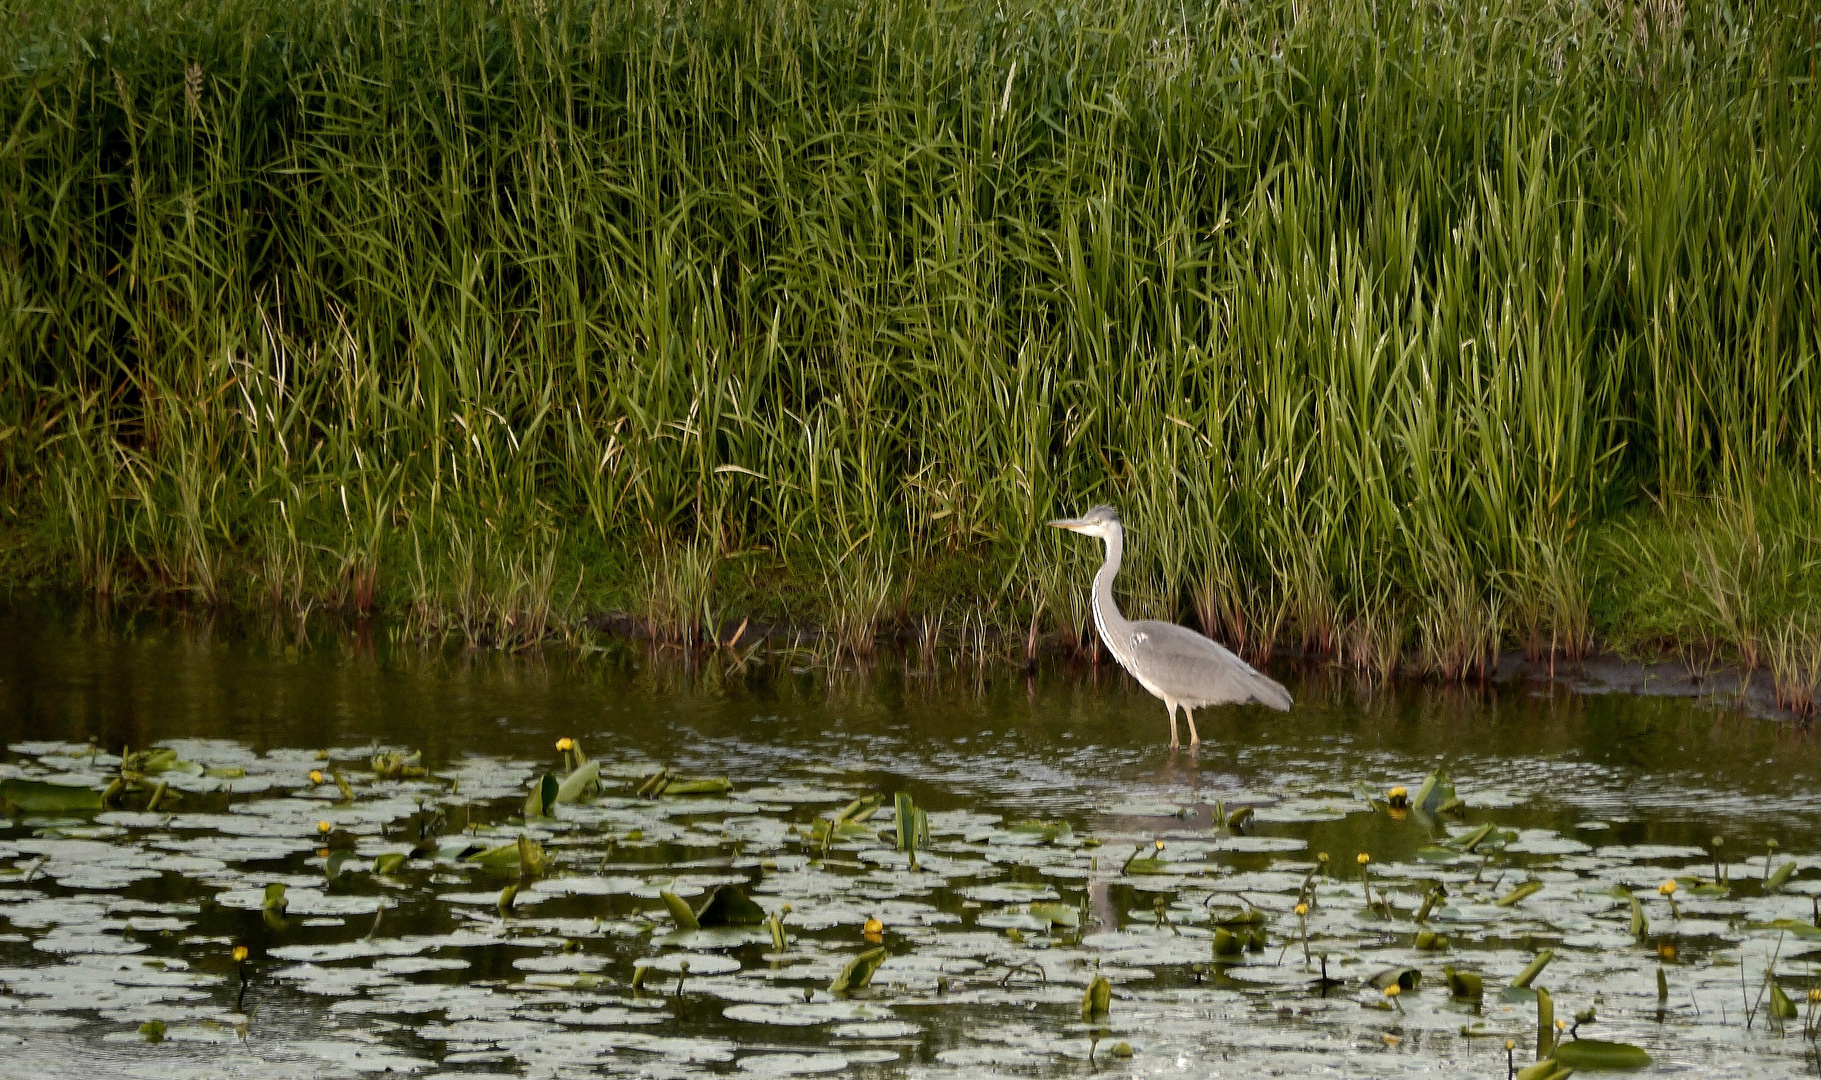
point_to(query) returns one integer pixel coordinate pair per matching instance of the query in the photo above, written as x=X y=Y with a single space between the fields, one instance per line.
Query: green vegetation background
x=1398 y=331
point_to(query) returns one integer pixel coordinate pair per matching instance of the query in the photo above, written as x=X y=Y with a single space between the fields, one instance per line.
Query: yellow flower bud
x=1815 y=994
x=1364 y=858
x=1510 y=1044
x=323 y=827
x=240 y=953
x=1393 y=990
x=1159 y=844
x=1668 y=888
x=1301 y=910
x=315 y=776
x=873 y=927
x=565 y=744
x=1398 y=792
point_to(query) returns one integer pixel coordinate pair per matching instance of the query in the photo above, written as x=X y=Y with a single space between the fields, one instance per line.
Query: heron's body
x=1174 y=663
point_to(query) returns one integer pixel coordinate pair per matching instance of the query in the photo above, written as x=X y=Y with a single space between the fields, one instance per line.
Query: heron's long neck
x=1107 y=619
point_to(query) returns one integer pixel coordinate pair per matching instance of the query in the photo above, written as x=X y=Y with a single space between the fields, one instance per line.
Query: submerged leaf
x=37 y=797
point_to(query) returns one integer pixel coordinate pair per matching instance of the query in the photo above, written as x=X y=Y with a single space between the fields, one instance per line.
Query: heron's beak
x=1071 y=524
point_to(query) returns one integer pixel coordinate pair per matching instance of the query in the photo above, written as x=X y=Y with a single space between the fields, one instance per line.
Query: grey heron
x=1173 y=662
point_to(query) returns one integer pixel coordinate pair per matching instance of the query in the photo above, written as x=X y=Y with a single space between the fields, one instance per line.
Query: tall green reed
x=1367 y=317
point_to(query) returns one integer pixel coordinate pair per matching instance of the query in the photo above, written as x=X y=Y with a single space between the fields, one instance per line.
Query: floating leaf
x=333 y=865
x=718 y=785
x=39 y=797
x=1793 y=926
x=503 y=857
x=1779 y=877
x=1040 y=832
x=275 y=898
x=389 y=863
x=225 y=772
x=152 y=1031
x=1227 y=943
x=1057 y=914
x=1435 y=853
x=858 y=974
x=1516 y=895
x=1599 y=1054
x=1097 y=999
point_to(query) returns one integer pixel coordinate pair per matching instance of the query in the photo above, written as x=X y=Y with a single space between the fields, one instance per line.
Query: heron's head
x=1102 y=521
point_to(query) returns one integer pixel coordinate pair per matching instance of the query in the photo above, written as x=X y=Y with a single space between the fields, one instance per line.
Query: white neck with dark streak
x=1115 y=631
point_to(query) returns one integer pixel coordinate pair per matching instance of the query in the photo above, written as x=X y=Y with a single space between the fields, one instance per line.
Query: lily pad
x=1599 y=1054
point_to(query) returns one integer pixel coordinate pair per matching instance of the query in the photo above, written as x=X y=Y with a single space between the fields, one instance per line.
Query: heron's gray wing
x=1191 y=669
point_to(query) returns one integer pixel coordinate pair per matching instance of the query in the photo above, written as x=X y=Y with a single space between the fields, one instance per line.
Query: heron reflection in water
x=1185 y=669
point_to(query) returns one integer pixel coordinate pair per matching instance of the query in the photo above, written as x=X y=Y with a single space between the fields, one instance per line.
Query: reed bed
x=1389 y=327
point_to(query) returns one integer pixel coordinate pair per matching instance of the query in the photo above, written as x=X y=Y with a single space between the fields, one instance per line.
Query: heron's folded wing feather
x=1193 y=669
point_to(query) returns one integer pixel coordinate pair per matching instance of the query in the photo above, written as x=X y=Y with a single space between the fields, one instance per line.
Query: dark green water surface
x=112 y=920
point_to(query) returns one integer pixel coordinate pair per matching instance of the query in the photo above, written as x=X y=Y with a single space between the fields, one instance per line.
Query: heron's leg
x=1189 y=715
x=1174 y=741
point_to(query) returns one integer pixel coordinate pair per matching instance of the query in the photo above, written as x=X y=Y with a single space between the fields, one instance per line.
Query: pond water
x=1038 y=791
